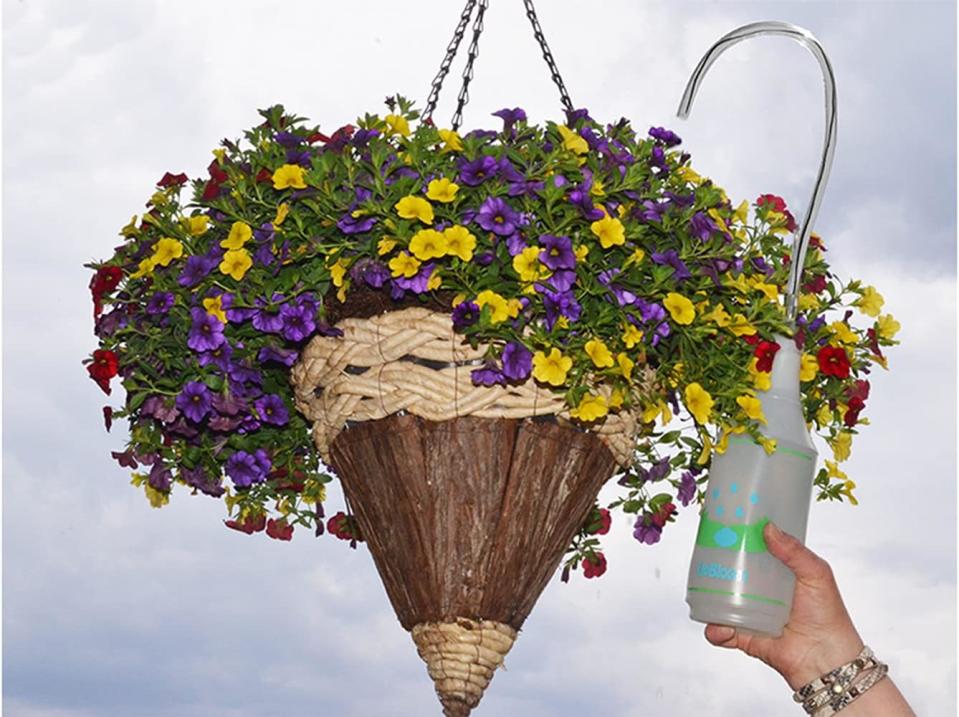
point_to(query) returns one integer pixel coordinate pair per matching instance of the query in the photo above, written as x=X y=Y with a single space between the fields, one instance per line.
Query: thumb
x=805 y=564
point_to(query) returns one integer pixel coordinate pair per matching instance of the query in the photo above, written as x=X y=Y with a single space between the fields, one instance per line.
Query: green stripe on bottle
x=748 y=596
x=748 y=538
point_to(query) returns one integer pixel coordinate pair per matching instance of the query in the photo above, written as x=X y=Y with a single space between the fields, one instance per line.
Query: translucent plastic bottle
x=733 y=580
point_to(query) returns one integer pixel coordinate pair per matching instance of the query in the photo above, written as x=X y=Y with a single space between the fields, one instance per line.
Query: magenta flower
x=496 y=216
x=206 y=332
x=194 y=401
x=557 y=252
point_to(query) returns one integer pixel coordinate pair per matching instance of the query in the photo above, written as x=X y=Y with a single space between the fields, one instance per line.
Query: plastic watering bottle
x=733 y=580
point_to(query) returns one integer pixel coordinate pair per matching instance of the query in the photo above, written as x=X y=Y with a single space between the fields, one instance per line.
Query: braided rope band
x=413 y=361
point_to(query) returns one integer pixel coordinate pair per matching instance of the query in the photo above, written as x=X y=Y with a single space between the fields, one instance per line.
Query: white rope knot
x=413 y=361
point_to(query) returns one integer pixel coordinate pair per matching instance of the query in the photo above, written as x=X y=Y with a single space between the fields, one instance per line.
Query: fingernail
x=723 y=632
x=775 y=531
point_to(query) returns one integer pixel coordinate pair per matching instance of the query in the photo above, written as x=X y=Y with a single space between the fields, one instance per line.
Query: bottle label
x=718 y=571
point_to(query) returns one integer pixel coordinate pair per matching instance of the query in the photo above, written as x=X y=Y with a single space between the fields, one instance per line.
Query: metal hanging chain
x=472 y=54
x=451 y=51
x=547 y=55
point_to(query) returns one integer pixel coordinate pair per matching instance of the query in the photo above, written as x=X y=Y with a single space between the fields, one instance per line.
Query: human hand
x=819 y=635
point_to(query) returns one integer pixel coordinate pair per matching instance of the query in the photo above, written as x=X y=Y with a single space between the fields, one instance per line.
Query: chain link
x=464 y=95
x=451 y=51
x=473 y=53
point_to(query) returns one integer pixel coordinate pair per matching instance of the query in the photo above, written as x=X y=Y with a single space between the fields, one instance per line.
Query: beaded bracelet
x=829 y=693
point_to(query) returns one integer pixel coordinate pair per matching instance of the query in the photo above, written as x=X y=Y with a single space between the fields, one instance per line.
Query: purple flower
x=287 y=139
x=246 y=469
x=465 y=314
x=267 y=318
x=656 y=472
x=581 y=198
x=160 y=477
x=661 y=332
x=419 y=281
x=526 y=188
x=507 y=172
x=574 y=115
x=478 y=171
x=271 y=409
x=761 y=265
x=206 y=332
x=157 y=407
x=298 y=321
x=198 y=478
x=227 y=404
x=510 y=117
x=363 y=137
x=687 y=488
x=648 y=534
x=489 y=375
x=671 y=258
x=653 y=211
x=195 y=269
x=496 y=216
x=657 y=160
x=515 y=243
x=301 y=157
x=667 y=137
x=701 y=226
x=220 y=356
x=484 y=259
x=817 y=324
x=194 y=401
x=560 y=304
x=287 y=357
x=107 y=324
x=557 y=252
x=562 y=280
x=373 y=273
x=160 y=303
x=348 y=224
x=517 y=361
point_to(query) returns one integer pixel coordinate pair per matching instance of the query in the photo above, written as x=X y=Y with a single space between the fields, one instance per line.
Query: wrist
x=823 y=657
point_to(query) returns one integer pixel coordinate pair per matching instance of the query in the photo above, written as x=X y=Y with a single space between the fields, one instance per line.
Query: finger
x=721 y=635
x=806 y=565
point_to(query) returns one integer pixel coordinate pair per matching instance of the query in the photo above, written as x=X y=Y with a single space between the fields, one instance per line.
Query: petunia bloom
x=442 y=190
x=595 y=566
x=496 y=215
x=206 y=331
x=428 y=244
x=833 y=361
x=609 y=231
x=557 y=252
x=289 y=176
x=551 y=368
x=460 y=242
x=412 y=207
x=517 y=361
x=194 y=401
x=680 y=308
x=699 y=403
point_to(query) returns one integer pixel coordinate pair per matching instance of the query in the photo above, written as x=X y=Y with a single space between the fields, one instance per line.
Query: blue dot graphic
x=719 y=512
x=715 y=492
x=754 y=498
x=733 y=488
x=740 y=512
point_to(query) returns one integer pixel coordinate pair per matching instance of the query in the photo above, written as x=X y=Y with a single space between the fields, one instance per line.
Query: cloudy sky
x=112 y=608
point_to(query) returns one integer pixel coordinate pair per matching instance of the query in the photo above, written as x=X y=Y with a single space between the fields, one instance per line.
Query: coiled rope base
x=462 y=657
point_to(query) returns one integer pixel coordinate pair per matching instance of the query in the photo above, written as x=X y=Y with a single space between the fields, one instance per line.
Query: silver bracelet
x=829 y=693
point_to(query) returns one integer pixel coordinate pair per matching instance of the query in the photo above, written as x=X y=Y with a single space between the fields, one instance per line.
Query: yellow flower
x=214 y=307
x=404 y=265
x=145 y=267
x=397 y=124
x=742 y=213
x=807 y=302
x=581 y=252
x=699 y=402
x=768 y=444
x=632 y=336
x=451 y=141
x=680 y=308
x=435 y=280
x=458 y=299
x=871 y=301
x=428 y=244
x=289 y=175
x=552 y=368
x=739 y=283
x=497 y=304
x=615 y=398
x=808 y=367
x=598 y=352
x=410 y=207
x=590 y=408
x=130 y=230
x=236 y=263
x=597 y=189
x=718 y=315
x=824 y=415
x=707 y=449
x=833 y=469
x=688 y=174
x=527 y=264
x=239 y=235
x=157 y=498
x=165 y=251
x=740 y=326
x=198 y=224
x=625 y=365
x=842 y=446
x=337 y=272
x=610 y=232
x=572 y=140
x=770 y=290
x=752 y=406
x=718 y=218
x=513 y=307
x=847 y=490
x=459 y=242
x=887 y=326
x=635 y=258
x=841 y=331
x=385 y=245
x=762 y=380
x=281 y=212
x=442 y=190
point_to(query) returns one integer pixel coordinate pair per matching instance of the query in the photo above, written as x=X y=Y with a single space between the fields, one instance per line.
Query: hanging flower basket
x=474 y=332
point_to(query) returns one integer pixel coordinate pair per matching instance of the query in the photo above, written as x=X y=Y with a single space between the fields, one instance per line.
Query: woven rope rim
x=413 y=361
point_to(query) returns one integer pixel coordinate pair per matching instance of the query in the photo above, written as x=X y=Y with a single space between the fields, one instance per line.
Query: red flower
x=172 y=180
x=874 y=342
x=317 y=137
x=815 y=285
x=752 y=339
x=264 y=175
x=833 y=361
x=598 y=521
x=662 y=516
x=285 y=482
x=103 y=367
x=102 y=283
x=765 y=353
x=108 y=417
x=343 y=527
x=605 y=521
x=250 y=525
x=279 y=530
x=593 y=569
x=216 y=173
x=860 y=390
x=851 y=417
x=776 y=203
x=815 y=241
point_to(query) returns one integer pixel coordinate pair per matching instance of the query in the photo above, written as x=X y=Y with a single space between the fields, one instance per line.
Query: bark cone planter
x=452 y=502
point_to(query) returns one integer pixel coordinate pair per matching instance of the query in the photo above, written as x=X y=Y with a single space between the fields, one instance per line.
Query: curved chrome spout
x=805 y=38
